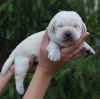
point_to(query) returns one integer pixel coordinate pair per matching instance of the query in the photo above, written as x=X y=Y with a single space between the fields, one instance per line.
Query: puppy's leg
x=87 y=49
x=21 y=68
x=53 y=51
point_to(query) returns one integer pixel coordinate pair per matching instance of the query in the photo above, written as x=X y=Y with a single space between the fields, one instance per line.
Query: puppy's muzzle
x=68 y=36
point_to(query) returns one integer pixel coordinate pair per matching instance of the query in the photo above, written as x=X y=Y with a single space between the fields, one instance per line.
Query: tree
x=21 y=18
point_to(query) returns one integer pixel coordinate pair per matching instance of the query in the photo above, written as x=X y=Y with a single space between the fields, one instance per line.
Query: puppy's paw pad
x=54 y=56
x=20 y=90
x=90 y=51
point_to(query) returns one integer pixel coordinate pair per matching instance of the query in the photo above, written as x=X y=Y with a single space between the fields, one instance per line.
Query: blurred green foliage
x=21 y=18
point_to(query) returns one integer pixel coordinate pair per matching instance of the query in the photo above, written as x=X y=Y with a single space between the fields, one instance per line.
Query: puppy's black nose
x=68 y=34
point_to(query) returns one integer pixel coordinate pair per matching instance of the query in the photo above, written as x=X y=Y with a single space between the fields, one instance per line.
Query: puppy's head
x=66 y=27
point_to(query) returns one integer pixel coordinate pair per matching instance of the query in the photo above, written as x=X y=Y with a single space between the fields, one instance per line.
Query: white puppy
x=65 y=28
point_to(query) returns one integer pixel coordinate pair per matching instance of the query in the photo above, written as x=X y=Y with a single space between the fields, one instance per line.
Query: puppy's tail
x=7 y=64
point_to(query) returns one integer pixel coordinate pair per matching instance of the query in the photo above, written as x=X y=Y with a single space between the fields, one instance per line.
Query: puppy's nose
x=68 y=34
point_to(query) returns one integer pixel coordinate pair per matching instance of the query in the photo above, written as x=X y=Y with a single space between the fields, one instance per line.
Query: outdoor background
x=21 y=18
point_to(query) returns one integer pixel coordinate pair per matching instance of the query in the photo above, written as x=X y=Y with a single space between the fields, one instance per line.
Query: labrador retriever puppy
x=65 y=28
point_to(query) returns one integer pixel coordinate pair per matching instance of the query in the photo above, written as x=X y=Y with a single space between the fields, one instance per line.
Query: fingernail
x=46 y=32
x=88 y=33
x=33 y=56
x=47 y=29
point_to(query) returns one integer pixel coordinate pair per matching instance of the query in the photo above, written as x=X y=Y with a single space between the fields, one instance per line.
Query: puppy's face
x=66 y=28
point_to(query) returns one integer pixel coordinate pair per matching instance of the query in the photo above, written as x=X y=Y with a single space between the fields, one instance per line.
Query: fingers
x=79 y=42
x=12 y=67
x=32 y=69
x=76 y=57
x=45 y=40
x=10 y=72
x=32 y=60
x=77 y=53
x=32 y=65
x=78 y=50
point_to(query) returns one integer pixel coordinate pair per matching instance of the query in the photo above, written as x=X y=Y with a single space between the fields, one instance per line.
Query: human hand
x=32 y=64
x=6 y=78
x=68 y=54
x=10 y=73
x=46 y=68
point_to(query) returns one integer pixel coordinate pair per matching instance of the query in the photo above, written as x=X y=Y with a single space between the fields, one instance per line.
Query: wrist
x=10 y=73
x=45 y=71
x=39 y=83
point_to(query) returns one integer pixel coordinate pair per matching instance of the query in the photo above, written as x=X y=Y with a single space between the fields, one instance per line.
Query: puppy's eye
x=60 y=25
x=75 y=26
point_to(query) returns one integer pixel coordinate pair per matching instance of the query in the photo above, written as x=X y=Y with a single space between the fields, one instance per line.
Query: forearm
x=38 y=85
x=4 y=81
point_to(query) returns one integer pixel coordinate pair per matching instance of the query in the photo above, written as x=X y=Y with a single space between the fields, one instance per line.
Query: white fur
x=65 y=21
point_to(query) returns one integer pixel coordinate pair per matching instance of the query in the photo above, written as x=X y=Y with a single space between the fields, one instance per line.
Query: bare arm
x=38 y=85
x=6 y=78
x=10 y=73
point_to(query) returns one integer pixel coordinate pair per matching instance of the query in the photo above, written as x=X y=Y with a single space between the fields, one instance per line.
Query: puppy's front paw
x=54 y=56
x=89 y=51
x=20 y=90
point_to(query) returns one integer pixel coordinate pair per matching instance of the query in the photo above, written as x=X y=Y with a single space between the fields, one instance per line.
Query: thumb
x=45 y=39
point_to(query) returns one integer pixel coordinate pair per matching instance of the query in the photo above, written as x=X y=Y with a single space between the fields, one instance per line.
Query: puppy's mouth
x=68 y=40
x=68 y=37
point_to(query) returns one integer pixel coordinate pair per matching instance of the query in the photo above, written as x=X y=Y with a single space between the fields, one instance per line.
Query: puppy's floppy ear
x=84 y=29
x=53 y=26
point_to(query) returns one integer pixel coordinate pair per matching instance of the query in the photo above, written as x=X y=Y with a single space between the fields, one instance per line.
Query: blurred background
x=20 y=18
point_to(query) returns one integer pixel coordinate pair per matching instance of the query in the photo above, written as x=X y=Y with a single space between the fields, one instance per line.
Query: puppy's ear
x=84 y=29
x=53 y=26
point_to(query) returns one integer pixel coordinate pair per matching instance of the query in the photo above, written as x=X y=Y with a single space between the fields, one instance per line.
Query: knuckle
x=62 y=55
x=74 y=46
x=41 y=48
x=70 y=56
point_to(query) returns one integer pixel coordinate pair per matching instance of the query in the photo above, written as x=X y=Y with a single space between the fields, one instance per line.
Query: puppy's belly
x=30 y=46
